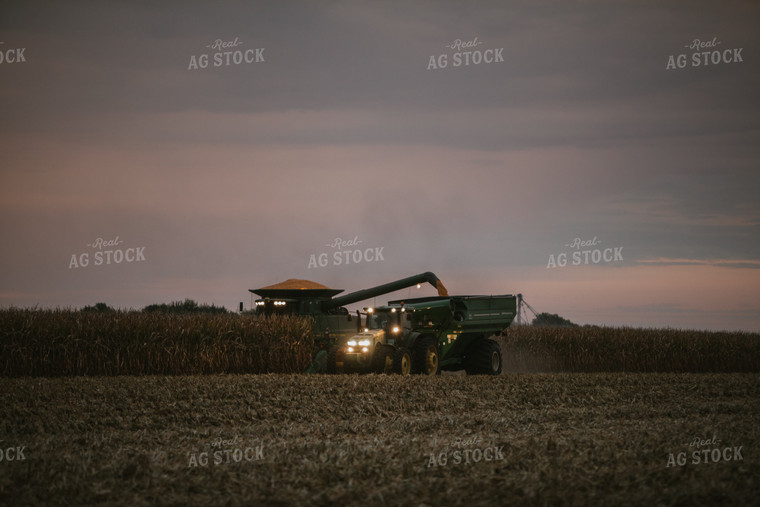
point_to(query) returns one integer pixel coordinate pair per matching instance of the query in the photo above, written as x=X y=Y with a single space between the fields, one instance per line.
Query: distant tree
x=186 y=306
x=552 y=319
x=99 y=307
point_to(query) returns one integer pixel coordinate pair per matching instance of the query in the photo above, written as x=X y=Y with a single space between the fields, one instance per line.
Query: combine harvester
x=420 y=335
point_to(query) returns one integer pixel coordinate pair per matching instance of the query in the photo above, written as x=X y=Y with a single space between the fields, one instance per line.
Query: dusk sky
x=586 y=120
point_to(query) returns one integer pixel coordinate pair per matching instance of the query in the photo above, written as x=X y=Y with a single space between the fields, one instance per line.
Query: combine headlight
x=351 y=343
x=370 y=310
x=365 y=349
x=396 y=329
x=364 y=343
x=350 y=349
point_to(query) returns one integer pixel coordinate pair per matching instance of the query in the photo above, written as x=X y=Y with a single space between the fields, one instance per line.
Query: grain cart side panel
x=480 y=317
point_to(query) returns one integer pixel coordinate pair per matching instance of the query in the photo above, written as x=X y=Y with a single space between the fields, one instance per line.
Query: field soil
x=513 y=439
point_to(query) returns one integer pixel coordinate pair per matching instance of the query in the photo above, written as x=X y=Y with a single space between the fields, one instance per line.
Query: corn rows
x=610 y=349
x=70 y=343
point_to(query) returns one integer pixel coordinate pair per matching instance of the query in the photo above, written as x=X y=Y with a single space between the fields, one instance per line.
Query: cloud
x=723 y=263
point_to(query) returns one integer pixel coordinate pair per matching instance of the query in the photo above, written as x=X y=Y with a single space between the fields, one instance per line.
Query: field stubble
x=564 y=439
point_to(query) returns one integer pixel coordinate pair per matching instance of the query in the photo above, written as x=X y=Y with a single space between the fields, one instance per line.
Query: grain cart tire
x=425 y=356
x=483 y=358
x=402 y=361
x=382 y=359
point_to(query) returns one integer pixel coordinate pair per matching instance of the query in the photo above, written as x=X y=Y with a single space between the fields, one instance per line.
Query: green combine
x=422 y=335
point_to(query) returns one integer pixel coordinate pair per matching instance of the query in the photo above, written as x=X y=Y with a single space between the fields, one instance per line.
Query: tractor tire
x=483 y=358
x=402 y=361
x=382 y=359
x=425 y=356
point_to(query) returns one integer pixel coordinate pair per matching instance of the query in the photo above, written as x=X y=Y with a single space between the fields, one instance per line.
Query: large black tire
x=425 y=356
x=382 y=359
x=402 y=361
x=483 y=358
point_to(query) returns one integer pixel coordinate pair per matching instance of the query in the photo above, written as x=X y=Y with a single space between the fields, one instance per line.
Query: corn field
x=623 y=349
x=69 y=343
x=52 y=343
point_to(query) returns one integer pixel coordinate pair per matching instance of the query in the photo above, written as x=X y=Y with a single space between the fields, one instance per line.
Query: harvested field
x=540 y=439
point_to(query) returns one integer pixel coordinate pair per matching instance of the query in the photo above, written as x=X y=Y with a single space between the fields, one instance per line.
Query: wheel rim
x=406 y=364
x=495 y=361
x=431 y=360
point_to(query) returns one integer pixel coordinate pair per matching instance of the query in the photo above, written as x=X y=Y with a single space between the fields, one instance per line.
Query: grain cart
x=427 y=335
x=332 y=321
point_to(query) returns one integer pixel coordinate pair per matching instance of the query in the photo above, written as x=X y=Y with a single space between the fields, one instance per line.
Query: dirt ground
x=527 y=439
